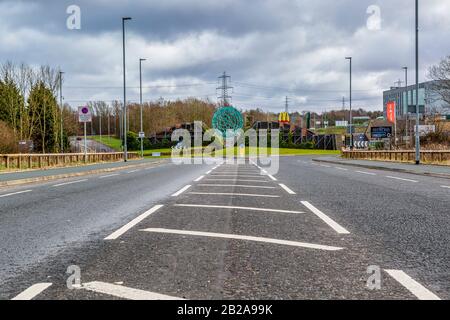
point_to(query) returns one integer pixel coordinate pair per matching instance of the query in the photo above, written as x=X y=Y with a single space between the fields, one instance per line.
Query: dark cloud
x=288 y=47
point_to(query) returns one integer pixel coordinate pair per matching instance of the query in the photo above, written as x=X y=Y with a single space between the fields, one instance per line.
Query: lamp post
x=61 y=106
x=125 y=151
x=351 y=116
x=140 y=100
x=407 y=104
x=417 y=87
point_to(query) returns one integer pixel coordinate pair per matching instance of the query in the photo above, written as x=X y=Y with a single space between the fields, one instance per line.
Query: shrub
x=8 y=141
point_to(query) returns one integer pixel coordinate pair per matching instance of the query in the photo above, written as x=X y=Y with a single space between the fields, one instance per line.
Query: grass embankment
x=116 y=144
x=108 y=141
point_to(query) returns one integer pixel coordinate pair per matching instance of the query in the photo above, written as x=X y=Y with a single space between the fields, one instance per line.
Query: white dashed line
x=325 y=166
x=446 y=187
x=199 y=179
x=238 y=180
x=134 y=222
x=236 y=176
x=235 y=194
x=109 y=176
x=124 y=292
x=69 y=183
x=32 y=291
x=272 y=177
x=339 y=168
x=133 y=171
x=412 y=285
x=236 y=208
x=287 y=189
x=235 y=185
x=336 y=227
x=209 y=172
x=181 y=191
x=367 y=173
x=245 y=238
x=15 y=193
x=401 y=179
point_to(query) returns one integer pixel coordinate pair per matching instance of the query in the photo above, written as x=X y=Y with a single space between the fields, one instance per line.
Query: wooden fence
x=42 y=161
x=426 y=156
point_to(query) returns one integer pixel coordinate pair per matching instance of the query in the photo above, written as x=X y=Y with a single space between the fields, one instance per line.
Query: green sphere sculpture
x=228 y=118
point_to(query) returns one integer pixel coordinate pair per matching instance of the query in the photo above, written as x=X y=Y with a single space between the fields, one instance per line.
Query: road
x=229 y=232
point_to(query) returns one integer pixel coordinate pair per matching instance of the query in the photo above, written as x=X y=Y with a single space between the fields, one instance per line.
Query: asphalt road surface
x=312 y=231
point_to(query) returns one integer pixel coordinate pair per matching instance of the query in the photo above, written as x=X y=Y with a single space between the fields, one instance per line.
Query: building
x=405 y=100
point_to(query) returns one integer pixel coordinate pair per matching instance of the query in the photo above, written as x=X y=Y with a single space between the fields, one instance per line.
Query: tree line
x=29 y=110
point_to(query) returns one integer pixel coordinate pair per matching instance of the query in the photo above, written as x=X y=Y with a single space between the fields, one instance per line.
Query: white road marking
x=181 y=191
x=235 y=194
x=367 y=173
x=245 y=238
x=134 y=222
x=133 y=171
x=325 y=166
x=412 y=285
x=124 y=292
x=234 y=185
x=209 y=172
x=401 y=179
x=447 y=187
x=236 y=208
x=287 y=189
x=15 y=193
x=69 y=183
x=237 y=176
x=109 y=176
x=238 y=180
x=199 y=179
x=272 y=177
x=336 y=227
x=339 y=168
x=32 y=291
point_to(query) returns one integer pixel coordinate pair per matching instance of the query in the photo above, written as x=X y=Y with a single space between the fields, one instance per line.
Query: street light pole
x=351 y=116
x=407 y=105
x=417 y=87
x=140 y=100
x=61 y=106
x=125 y=151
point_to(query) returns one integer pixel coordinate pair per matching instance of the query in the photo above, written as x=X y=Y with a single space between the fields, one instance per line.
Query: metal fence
x=431 y=157
x=42 y=161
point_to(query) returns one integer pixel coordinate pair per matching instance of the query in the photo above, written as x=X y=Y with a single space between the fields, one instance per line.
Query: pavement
x=423 y=169
x=228 y=231
x=20 y=177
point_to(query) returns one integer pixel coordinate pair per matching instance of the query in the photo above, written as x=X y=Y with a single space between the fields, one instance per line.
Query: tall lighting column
x=351 y=116
x=125 y=149
x=140 y=100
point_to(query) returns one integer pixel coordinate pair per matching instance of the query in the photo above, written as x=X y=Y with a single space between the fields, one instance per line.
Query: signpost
x=84 y=116
x=381 y=132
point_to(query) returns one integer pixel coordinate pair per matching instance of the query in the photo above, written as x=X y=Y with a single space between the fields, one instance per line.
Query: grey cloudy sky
x=271 y=48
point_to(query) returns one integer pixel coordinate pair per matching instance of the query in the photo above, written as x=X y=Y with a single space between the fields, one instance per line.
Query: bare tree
x=441 y=75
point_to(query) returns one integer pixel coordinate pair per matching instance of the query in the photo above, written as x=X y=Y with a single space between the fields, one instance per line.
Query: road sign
x=84 y=114
x=361 y=144
x=141 y=135
x=341 y=124
x=381 y=132
x=425 y=129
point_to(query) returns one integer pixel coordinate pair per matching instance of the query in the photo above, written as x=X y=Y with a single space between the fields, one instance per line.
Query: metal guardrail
x=426 y=156
x=42 y=161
